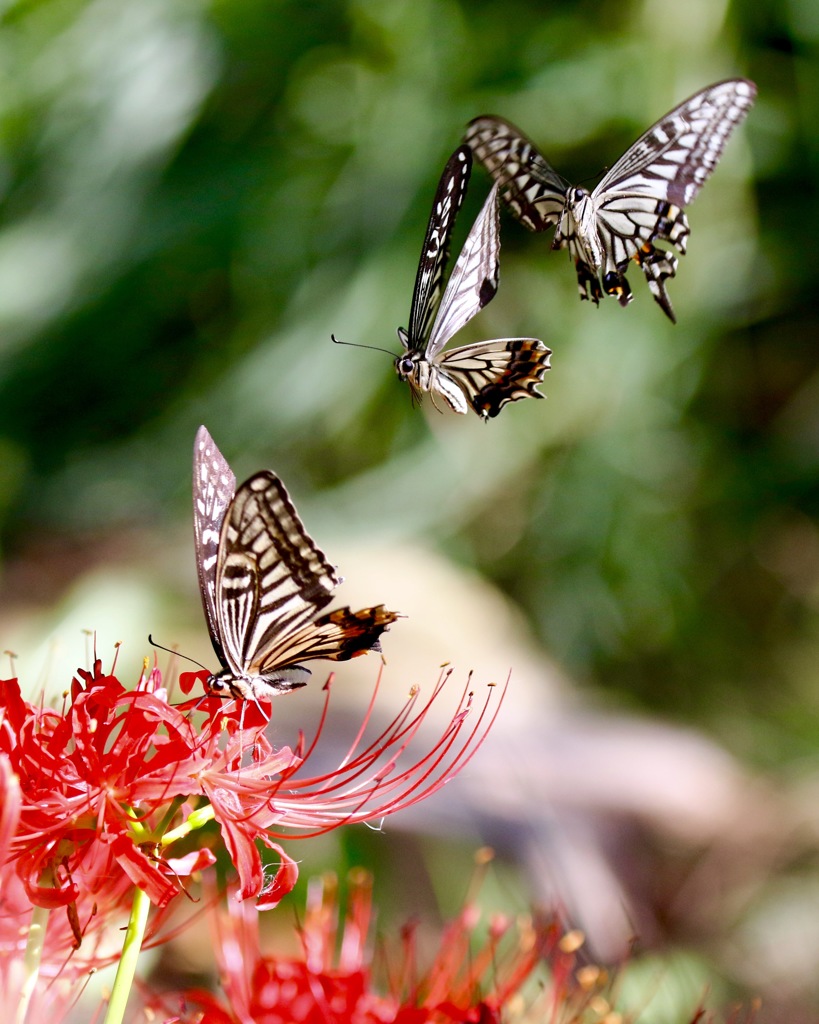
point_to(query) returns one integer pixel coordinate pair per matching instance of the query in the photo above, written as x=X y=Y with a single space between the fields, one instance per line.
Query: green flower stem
x=176 y=803
x=31 y=960
x=135 y=931
x=196 y=819
x=134 y=934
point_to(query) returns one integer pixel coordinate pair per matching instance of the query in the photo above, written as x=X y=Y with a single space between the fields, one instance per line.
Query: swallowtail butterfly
x=263 y=583
x=638 y=202
x=488 y=374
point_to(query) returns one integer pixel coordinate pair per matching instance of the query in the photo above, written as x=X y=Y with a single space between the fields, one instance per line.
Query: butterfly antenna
x=597 y=174
x=355 y=344
x=193 y=661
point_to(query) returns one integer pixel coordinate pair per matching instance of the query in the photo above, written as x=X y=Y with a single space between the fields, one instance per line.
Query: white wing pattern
x=639 y=201
x=484 y=376
x=263 y=583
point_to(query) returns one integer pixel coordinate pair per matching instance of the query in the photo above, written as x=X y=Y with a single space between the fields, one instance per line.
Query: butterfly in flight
x=638 y=202
x=485 y=375
x=264 y=582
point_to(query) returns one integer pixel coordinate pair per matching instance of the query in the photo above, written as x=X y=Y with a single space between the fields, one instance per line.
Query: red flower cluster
x=97 y=794
x=470 y=981
x=95 y=782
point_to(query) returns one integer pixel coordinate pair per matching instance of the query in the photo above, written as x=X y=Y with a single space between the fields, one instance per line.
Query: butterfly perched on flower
x=638 y=202
x=485 y=375
x=264 y=582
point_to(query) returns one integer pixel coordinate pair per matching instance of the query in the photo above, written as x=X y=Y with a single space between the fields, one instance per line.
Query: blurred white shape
x=125 y=79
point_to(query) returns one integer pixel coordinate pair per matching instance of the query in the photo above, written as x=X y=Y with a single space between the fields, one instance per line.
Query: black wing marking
x=429 y=280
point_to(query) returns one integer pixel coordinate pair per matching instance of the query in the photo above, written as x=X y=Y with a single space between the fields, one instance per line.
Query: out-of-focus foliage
x=194 y=195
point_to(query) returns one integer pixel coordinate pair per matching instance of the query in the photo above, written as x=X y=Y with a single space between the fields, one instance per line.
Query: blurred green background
x=196 y=194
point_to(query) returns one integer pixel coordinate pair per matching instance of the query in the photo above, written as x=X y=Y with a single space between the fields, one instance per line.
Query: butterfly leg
x=657 y=265
x=587 y=283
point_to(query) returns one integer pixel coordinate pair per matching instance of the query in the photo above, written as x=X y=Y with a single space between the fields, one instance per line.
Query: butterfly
x=263 y=583
x=638 y=202
x=485 y=375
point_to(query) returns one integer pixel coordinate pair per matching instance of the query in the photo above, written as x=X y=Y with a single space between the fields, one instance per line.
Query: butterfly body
x=484 y=376
x=263 y=583
x=425 y=377
x=639 y=201
x=575 y=229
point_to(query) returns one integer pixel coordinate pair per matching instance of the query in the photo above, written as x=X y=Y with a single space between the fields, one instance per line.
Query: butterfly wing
x=492 y=373
x=641 y=199
x=474 y=278
x=429 y=280
x=336 y=636
x=676 y=156
x=273 y=581
x=533 y=190
x=213 y=488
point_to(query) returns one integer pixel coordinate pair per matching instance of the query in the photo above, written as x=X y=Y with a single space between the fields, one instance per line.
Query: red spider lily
x=62 y=968
x=275 y=798
x=95 y=781
x=326 y=984
x=470 y=981
x=108 y=784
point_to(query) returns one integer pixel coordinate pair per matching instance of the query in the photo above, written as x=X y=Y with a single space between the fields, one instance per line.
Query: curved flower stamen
x=110 y=783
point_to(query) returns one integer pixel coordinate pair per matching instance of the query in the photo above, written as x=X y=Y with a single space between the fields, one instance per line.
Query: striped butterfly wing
x=270 y=583
x=677 y=155
x=429 y=279
x=213 y=488
x=532 y=189
x=639 y=201
x=474 y=279
x=492 y=373
x=336 y=636
x=273 y=582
